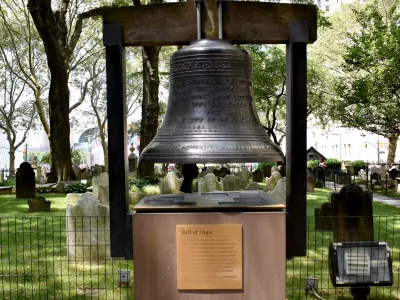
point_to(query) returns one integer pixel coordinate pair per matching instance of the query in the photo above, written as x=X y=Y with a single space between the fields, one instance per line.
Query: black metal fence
x=59 y=258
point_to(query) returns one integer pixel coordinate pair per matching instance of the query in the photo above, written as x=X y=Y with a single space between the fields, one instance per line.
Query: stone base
x=264 y=255
x=5 y=190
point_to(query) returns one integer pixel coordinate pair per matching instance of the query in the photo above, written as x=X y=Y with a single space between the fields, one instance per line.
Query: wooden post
x=117 y=141
x=296 y=141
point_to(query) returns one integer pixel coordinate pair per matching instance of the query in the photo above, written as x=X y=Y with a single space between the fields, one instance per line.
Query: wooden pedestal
x=264 y=255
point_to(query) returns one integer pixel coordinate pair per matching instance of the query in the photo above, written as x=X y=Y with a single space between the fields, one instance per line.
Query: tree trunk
x=12 y=162
x=52 y=30
x=392 y=150
x=150 y=105
x=105 y=151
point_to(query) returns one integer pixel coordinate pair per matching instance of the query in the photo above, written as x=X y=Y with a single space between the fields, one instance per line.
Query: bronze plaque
x=209 y=257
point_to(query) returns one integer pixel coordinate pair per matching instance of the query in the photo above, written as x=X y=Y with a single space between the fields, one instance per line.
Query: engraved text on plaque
x=209 y=257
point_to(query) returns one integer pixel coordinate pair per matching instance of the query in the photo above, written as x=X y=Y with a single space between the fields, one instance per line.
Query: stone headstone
x=25 y=181
x=245 y=174
x=362 y=175
x=241 y=183
x=267 y=171
x=85 y=174
x=273 y=180
x=279 y=192
x=88 y=230
x=100 y=188
x=73 y=198
x=229 y=183
x=310 y=182
x=393 y=173
x=38 y=173
x=77 y=172
x=209 y=184
x=171 y=184
x=97 y=170
x=258 y=176
x=352 y=209
x=39 y=204
x=132 y=160
x=253 y=186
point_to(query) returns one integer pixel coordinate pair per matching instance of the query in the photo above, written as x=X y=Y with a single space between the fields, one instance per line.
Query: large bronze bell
x=211 y=115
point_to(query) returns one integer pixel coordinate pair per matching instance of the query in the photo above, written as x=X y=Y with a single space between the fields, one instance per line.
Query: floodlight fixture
x=360 y=264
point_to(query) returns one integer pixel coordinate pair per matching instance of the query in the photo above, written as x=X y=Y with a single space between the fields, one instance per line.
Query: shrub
x=311 y=164
x=151 y=190
x=8 y=182
x=333 y=163
x=78 y=157
x=140 y=183
x=75 y=187
x=261 y=165
x=134 y=188
x=359 y=164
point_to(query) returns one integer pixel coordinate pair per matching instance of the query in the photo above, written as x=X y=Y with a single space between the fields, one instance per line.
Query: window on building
x=327 y=8
x=319 y=3
x=348 y=146
x=345 y=150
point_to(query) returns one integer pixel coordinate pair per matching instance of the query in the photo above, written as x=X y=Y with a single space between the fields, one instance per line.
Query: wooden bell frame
x=243 y=23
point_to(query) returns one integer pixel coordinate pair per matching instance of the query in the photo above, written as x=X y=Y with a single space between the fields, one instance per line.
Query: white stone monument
x=171 y=184
x=253 y=186
x=209 y=183
x=279 y=192
x=100 y=188
x=229 y=183
x=273 y=180
x=88 y=230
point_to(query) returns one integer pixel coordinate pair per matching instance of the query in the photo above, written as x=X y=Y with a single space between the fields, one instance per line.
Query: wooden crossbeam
x=243 y=22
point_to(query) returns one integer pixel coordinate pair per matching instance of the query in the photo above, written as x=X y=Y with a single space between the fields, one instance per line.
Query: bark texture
x=150 y=105
x=392 y=150
x=52 y=28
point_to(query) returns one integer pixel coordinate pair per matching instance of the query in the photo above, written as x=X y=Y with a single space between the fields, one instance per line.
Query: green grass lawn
x=315 y=264
x=34 y=264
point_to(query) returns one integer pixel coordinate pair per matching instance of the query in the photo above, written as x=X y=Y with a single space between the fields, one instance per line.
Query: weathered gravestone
x=25 y=181
x=258 y=176
x=273 y=180
x=349 y=214
x=253 y=186
x=209 y=184
x=241 y=183
x=310 y=182
x=100 y=188
x=88 y=230
x=77 y=172
x=132 y=161
x=97 y=170
x=267 y=171
x=39 y=204
x=245 y=174
x=73 y=198
x=362 y=175
x=229 y=183
x=85 y=174
x=279 y=192
x=171 y=184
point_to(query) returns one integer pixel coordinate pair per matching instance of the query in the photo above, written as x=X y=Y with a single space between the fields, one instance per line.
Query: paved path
x=376 y=197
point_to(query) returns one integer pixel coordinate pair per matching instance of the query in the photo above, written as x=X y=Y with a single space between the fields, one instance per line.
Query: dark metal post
x=296 y=152
x=121 y=235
